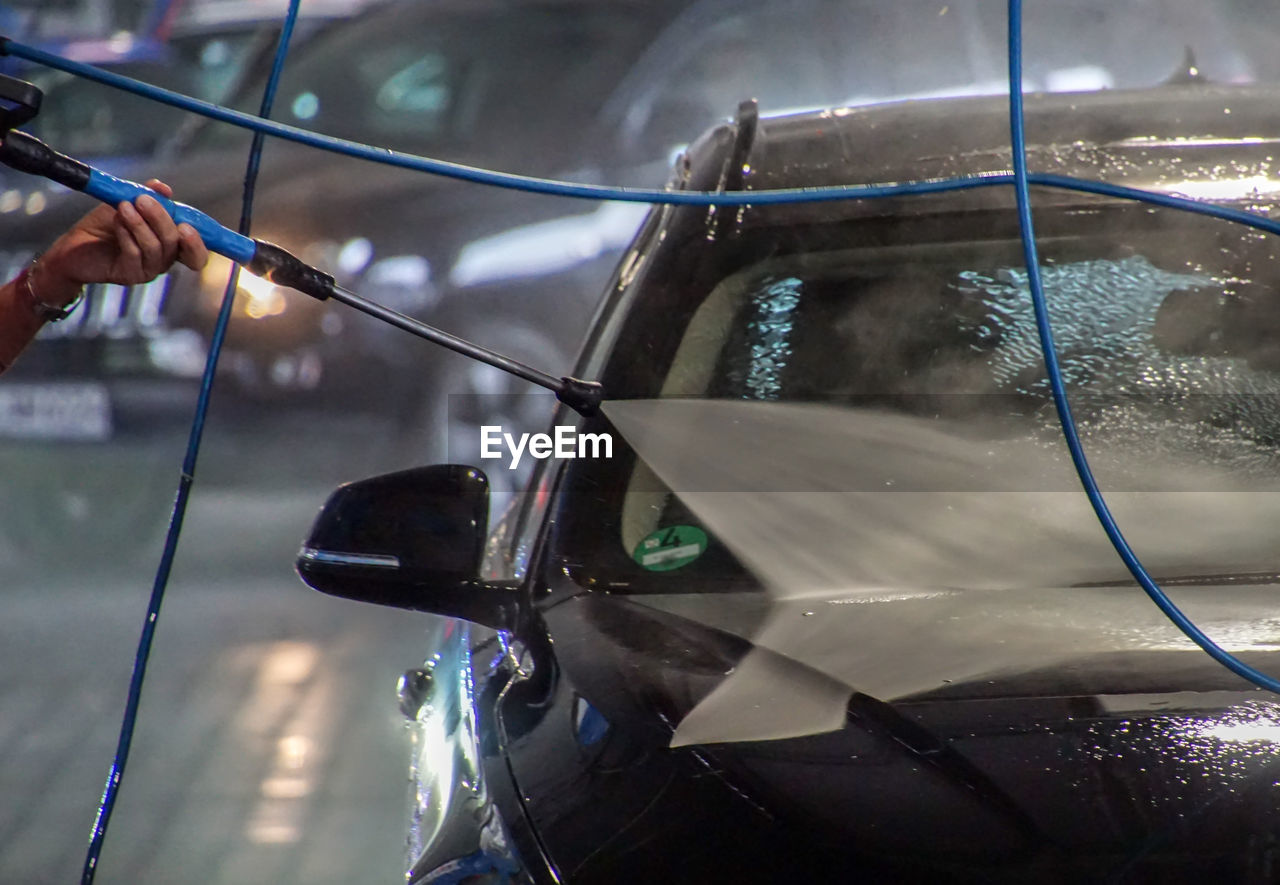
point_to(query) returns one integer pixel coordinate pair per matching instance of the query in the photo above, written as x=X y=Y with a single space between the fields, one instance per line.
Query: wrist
x=49 y=285
x=47 y=307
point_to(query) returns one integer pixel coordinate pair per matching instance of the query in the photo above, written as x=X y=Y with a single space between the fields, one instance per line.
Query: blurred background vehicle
x=66 y=26
x=131 y=39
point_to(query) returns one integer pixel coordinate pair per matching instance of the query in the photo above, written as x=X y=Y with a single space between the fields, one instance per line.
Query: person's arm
x=129 y=244
x=18 y=322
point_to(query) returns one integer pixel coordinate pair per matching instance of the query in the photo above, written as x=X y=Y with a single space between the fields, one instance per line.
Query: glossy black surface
x=411 y=539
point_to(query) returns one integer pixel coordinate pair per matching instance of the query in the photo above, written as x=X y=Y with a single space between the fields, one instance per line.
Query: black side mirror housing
x=411 y=539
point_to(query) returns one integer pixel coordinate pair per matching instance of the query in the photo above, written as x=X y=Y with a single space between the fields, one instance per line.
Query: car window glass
x=80 y=117
x=461 y=83
x=217 y=61
x=898 y=321
x=85 y=118
x=1154 y=328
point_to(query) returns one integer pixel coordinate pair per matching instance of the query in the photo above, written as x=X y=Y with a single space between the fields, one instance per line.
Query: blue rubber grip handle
x=114 y=191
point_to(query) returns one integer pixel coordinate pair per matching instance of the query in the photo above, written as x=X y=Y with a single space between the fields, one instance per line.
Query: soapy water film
x=943 y=513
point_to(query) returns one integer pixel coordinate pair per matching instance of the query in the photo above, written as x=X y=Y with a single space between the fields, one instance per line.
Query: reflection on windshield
x=770 y=330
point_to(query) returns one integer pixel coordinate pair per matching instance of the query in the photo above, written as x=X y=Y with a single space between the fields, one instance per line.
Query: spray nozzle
x=285 y=269
x=584 y=397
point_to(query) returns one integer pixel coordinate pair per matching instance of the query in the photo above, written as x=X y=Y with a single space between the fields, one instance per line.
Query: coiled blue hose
x=116 y=774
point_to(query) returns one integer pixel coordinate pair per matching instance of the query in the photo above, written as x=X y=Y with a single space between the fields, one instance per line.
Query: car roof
x=1129 y=136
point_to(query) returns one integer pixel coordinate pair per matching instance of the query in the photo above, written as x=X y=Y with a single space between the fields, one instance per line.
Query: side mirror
x=411 y=539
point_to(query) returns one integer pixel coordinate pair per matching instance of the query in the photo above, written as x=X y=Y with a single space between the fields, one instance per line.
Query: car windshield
x=866 y=357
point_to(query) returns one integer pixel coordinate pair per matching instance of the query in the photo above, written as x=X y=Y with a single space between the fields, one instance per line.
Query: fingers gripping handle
x=260 y=257
x=29 y=154
x=114 y=191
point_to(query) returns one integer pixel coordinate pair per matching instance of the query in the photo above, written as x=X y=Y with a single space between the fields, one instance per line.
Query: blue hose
x=129 y=721
x=1144 y=579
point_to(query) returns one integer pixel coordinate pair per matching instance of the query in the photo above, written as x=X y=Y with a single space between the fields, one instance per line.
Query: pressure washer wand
x=583 y=397
x=19 y=102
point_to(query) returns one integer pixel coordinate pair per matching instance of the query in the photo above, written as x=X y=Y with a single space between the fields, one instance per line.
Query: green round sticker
x=670 y=548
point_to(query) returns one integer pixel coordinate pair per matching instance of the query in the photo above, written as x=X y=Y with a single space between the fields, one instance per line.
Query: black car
x=832 y=606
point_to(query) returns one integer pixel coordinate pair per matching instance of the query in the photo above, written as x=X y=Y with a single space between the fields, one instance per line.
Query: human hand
x=127 y=244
